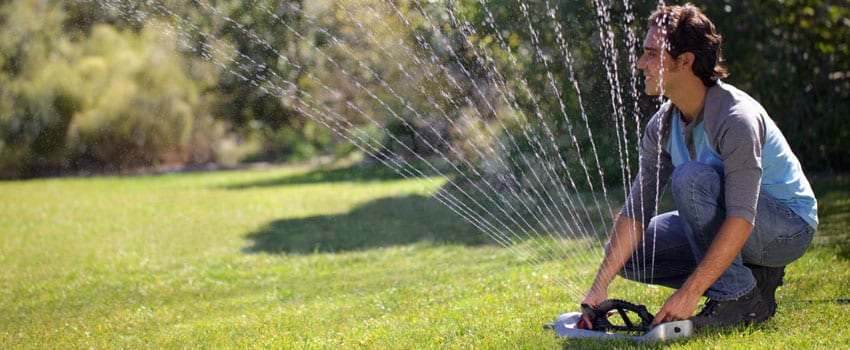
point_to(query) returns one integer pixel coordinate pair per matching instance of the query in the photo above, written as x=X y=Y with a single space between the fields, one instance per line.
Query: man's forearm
x=730 y=239
x=625 y=238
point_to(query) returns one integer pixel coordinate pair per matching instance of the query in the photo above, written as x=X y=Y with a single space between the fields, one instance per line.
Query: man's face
x=658 y=66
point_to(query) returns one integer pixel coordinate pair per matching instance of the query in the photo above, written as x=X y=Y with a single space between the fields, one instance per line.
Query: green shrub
x=114 y=100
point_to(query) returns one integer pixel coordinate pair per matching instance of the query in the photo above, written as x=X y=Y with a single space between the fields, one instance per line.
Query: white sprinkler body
x=565 y=327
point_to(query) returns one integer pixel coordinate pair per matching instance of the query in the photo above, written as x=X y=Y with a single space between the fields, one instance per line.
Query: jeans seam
x=728 y=297
x=806 y=233
x=692 y=183
x=698 y=186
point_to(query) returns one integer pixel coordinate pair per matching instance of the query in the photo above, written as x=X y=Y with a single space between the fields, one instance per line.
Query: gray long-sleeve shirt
x=734 y=134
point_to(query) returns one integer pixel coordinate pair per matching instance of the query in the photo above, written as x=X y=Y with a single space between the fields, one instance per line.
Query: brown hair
x=688 y=30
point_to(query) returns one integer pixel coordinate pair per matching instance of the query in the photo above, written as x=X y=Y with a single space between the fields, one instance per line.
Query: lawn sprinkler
x=633 y=323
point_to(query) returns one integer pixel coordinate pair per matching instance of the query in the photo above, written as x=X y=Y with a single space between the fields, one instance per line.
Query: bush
x=113 y=101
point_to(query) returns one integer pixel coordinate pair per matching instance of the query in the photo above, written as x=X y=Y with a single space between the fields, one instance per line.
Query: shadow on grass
x=388 y=221
x=710 y=334
x=385 y=222
x=833 y=196
x=354 y=173
x=591 y=344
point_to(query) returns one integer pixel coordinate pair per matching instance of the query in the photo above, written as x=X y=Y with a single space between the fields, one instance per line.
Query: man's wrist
x=692 y=288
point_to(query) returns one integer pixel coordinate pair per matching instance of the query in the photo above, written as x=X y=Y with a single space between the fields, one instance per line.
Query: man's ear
x=686 y=60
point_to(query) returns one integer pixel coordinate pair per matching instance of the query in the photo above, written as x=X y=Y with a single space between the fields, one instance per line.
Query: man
x=745 y=208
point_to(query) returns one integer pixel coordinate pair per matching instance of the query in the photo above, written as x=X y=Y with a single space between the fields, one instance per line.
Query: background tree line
x=114 y=85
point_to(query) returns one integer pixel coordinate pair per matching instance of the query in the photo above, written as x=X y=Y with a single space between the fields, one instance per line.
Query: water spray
x=491 y=212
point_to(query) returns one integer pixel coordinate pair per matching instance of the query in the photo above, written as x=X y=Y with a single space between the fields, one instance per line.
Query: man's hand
x=678 y=306
x=622 y=244
x=731 y=237
x=592 y=299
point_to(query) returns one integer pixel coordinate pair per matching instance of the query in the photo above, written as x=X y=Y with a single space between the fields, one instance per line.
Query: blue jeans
x=674 y=242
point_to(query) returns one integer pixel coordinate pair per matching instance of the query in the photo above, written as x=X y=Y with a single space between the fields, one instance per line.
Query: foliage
x=794 y=56
x=141 y=109
x=111 y=101
x=115 y=84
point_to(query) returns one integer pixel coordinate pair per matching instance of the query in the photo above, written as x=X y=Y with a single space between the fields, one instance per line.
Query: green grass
x=298 y=257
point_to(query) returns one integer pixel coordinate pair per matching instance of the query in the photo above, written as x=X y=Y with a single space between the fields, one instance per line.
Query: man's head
x=681 y=42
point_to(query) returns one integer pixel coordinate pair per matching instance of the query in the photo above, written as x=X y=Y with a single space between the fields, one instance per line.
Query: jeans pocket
x=783 y=210
x=785 y=249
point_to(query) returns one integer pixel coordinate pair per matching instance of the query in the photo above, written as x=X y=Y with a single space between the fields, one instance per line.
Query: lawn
x=303 y=257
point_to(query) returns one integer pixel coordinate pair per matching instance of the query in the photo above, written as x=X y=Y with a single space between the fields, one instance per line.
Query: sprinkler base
x=565 y=326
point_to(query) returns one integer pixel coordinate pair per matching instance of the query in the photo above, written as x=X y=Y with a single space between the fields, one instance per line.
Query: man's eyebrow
x=652 y=49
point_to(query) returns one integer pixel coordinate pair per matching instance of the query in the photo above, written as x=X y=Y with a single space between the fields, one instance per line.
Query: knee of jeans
x=692 y=175
x=628 y=271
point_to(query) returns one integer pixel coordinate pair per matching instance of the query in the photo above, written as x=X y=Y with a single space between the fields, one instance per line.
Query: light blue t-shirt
x=735 y=135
